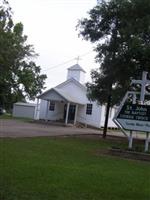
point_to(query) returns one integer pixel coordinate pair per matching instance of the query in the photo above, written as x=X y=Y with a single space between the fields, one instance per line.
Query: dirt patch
x=126 y=154
x=18 y=128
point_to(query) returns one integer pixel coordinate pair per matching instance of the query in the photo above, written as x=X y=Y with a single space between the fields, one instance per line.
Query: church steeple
x=76 y=72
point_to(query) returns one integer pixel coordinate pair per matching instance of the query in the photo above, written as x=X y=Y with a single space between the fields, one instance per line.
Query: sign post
x=130 y=140
x=133 y=113
x=147 y=142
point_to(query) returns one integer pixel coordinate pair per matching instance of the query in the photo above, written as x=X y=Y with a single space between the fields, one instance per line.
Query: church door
x=71 y=113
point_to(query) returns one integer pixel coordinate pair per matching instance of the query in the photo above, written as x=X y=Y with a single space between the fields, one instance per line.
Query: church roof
x=63 y=94
x=77 y=67
x=66 y=95
x=71 y=80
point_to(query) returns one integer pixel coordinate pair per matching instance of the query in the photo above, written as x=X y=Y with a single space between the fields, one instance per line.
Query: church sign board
x=134 y=117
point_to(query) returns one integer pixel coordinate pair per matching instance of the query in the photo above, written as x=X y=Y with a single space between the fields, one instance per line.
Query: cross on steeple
x=77 y=59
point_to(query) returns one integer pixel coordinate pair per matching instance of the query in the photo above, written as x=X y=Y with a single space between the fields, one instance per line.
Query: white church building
x=68 y=102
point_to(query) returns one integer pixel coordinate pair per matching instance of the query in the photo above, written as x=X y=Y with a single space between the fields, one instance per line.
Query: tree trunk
x=107 y=114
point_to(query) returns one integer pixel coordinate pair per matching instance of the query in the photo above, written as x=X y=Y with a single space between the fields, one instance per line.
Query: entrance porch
x=58 y=107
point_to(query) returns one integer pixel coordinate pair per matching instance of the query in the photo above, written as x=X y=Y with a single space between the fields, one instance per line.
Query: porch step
x=80 y=125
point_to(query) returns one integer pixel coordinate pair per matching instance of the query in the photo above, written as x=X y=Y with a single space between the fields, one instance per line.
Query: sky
x=51 y=28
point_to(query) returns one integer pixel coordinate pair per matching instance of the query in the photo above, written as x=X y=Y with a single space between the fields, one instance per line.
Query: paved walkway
x=18 y=128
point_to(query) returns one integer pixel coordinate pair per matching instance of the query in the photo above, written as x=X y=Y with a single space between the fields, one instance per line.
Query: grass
x=6 y=116
x=9 y=116
x=68 y=169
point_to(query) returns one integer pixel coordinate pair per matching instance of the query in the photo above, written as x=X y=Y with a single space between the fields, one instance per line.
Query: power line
x=66 y=62
x=55 y=66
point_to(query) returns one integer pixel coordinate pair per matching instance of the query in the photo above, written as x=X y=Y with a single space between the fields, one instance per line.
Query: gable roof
x=74 y=81
x=43 y=95
x=77 y=67
x=63 y=84
x=63 y=94
x=68 y=97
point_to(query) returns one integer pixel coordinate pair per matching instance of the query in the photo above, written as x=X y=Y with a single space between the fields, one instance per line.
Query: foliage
x=121 y=31
x=20 y=77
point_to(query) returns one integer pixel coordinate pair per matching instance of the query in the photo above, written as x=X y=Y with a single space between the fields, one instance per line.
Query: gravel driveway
x=17 y=128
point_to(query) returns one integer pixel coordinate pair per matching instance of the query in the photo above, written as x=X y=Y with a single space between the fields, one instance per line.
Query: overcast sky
x=51 y=27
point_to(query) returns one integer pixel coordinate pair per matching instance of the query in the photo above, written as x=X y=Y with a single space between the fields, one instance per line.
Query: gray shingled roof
x=76 y=67
x=65 y=95
x=68 y=96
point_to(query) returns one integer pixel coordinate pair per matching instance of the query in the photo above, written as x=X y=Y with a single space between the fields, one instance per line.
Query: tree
x=20 y=77
x=121 y=31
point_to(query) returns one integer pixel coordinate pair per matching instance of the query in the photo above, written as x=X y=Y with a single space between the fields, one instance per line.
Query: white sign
x=134 y=117
x=134 y=125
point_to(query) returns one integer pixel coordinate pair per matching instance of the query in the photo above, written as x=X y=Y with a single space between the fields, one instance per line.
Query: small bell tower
x=76 y=72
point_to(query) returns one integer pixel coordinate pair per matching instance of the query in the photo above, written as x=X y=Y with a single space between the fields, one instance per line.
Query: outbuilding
x=26 y=110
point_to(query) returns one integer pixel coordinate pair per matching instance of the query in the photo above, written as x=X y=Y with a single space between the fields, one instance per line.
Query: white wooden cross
x=144 y=82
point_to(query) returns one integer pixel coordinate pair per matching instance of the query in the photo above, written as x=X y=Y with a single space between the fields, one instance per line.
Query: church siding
x=94 y=118
x=57 y=114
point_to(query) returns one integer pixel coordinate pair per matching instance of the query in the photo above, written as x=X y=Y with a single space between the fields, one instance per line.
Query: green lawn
x=68 y=169
x=9 y=116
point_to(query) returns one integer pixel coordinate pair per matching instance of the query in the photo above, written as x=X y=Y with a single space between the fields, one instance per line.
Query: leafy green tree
x=121 y=31
x=20 y=77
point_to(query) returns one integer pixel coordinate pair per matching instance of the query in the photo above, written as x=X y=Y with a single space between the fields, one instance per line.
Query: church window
x=89 y=109
x=52 y=106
